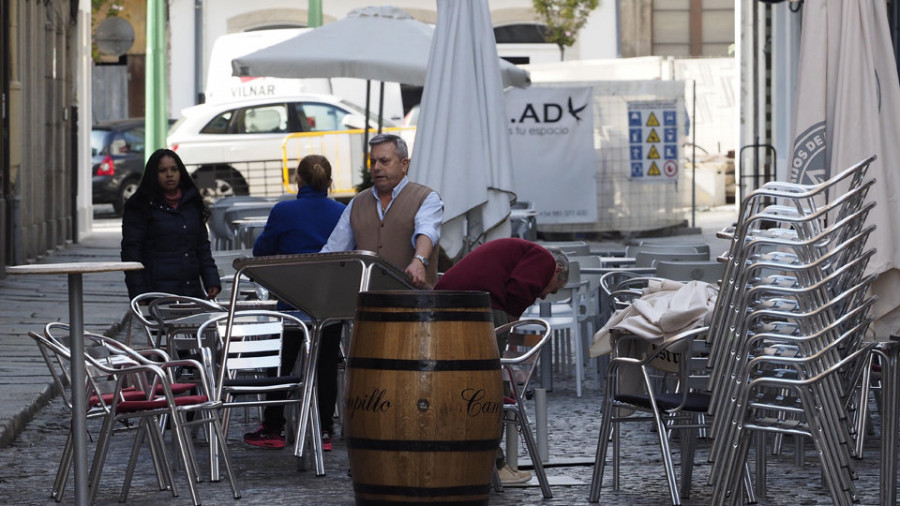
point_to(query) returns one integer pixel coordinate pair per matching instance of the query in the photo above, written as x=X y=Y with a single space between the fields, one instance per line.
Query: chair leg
x=531 y=444
x=862 y=408
x=495 y=481
x=182 y=439
x=164 y=476
x=688 y=447
x=62 y=473
x=663 y=436
x=602 y=447
x=314 y=425
x=217 y=438
x=100 y=457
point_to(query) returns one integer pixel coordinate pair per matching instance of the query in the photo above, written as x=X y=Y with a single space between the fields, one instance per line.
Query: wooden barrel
x=423 y=399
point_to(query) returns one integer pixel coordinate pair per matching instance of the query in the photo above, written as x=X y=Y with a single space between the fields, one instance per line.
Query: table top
x=73 y=267
x=251 y=220
x=191 y=322
x=323 y=285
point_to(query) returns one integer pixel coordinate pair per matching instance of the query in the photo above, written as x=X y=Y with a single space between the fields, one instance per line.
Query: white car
x=235 y=148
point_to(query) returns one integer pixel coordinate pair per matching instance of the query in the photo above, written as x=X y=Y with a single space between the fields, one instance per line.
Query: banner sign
x=551 y=132
x=653 y=141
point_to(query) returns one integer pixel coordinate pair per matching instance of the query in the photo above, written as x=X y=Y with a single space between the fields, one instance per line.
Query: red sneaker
x=326 y=441
x=265 y=439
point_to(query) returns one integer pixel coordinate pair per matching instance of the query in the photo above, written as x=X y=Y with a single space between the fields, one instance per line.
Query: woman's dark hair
x=315 y=171
x=149 y=187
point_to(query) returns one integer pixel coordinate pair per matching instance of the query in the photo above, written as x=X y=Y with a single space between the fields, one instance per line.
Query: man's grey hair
x=561 y=261
x=400 y=148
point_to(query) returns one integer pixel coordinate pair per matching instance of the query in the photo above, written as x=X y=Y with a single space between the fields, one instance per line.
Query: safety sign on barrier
x=653 y=141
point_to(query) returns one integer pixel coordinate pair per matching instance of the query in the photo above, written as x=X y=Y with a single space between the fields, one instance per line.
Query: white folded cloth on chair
x=666 y=309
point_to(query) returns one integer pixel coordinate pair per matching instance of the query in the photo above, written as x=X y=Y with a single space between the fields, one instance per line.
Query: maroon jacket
x=514 y=271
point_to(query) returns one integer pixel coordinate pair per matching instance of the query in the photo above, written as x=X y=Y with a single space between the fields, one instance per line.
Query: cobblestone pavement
x=28 y=466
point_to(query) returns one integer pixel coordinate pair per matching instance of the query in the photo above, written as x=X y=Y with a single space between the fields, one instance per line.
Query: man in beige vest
x=398 y=219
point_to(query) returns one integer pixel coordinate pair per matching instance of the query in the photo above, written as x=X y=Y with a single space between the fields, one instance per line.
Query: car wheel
x=219 y=181
x=126 y=190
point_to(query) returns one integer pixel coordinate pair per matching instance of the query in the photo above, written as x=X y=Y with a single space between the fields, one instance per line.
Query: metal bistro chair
x=143 y=389
x=164 y=311
x=100 y=389
x=246 y=363
x=677 y=402
x=257 y=211
x=567 y=313
x=221 y=234
x=525 y=339
x=791 y=312
x=97 y=391
x=769 y=391
x=153 y=309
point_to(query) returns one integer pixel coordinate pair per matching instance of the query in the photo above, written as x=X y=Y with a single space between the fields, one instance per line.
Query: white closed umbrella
x=462 y=140
x=848 y=109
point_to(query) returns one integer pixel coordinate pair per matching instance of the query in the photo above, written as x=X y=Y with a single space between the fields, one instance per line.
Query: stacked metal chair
x=788 y=328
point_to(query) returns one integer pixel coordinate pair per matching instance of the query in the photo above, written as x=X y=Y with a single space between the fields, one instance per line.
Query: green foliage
x=564 y=18
x=108 y=7
x=366 y=179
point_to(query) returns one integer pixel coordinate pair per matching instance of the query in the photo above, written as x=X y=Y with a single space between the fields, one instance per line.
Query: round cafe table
x=75 y=270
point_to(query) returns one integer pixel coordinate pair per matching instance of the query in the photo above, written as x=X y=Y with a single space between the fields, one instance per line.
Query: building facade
x=44 y=128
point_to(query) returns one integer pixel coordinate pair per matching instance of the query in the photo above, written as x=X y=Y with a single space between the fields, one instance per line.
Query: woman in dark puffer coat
x=164 y=228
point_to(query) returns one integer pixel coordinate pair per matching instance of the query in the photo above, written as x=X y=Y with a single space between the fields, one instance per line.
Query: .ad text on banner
x=551 y=133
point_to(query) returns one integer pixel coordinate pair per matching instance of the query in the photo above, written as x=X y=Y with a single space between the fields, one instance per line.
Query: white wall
x=84 y=208
x=598 y=38
x=182 y=85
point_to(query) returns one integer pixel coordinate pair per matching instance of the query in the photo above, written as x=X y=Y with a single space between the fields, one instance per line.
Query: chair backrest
x=710 y=271
x=54 y=348
x=650 y=258
x=57 y=364
x=575 y=294
x=247 y=210
x=225 y=264
x=139 y=309
x=163 y=307
x=680 y=246
x=168 y=306
x=524 y=342
x=250 y=341
x=221 y=231
x=570 y=248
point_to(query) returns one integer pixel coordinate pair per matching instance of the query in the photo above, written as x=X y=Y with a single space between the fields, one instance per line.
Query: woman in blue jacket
x=164 y=228
x=302 y=225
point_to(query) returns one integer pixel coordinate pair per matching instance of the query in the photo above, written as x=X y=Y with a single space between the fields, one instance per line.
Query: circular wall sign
x=114 y=36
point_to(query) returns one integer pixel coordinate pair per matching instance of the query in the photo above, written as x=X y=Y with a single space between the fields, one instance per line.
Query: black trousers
x=326 y=376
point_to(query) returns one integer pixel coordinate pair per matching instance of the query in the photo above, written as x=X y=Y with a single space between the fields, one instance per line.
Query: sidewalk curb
x=11 y=429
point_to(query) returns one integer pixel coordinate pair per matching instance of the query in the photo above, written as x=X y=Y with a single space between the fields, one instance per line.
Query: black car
x=117 y=149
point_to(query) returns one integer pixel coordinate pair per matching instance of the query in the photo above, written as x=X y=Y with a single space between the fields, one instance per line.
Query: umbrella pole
x=365 y=144
x=380 y=106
